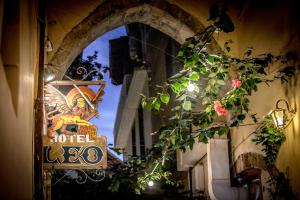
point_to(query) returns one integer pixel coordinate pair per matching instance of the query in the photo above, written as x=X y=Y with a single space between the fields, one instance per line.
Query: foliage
x=65 y=187
x=282 y=188
x=271 y=138
x=120 y=182
x=134 y=174
x=212 y=73
x=222 y=84
x=86 y=69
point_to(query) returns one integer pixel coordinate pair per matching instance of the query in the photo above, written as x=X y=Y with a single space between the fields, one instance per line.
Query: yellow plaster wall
x=63 y=15
x=17 y=122
x=200 y=10
x=268 y=27
x=289 y=156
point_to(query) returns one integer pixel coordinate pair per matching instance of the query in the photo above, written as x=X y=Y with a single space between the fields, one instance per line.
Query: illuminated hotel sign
x=71 y=141
x=75 y=152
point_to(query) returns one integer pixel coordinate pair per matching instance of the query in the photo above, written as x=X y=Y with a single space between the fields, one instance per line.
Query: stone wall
x=160 y=15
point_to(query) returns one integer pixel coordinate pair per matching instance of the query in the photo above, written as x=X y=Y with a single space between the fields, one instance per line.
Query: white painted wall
x=219 y=185
x=130 y=108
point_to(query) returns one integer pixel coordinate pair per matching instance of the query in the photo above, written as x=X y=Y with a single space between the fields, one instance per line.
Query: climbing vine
x=271 y=138
x=220 y=85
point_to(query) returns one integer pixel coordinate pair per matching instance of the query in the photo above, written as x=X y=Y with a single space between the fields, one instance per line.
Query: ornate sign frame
x=71 y=141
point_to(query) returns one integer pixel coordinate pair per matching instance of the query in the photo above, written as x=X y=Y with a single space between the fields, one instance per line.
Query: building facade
x=69 y=27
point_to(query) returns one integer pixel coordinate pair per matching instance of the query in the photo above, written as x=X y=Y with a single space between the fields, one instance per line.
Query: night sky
x=109 y=105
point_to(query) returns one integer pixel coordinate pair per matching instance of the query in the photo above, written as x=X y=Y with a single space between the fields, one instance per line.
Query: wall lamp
x=48 y=74
x=282 y=116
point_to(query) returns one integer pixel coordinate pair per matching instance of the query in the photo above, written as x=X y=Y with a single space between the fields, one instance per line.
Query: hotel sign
x=71 y=141
x=75 y=152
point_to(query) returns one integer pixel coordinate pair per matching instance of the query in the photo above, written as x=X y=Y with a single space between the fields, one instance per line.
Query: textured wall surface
x=266 y=26
x=17 y=120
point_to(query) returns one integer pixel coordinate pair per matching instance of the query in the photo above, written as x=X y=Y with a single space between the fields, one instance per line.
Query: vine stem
x=164 y=155
x=252 y=124
x=154 y=168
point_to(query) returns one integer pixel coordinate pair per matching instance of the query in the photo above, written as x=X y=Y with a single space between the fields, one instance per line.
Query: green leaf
x=235 y=123
x=156 y=104
x=211 y=75
x=180 y=54
x=178 y=75
x=221 y=82
x=187 y=105
x=210 y=60
x=194 y=76
x=241 y=117
x=205 y=101
x=248 y=53
x=196 y=88
x=224 y=23
x=227 y=48
x=182 y=97
x=221 y=76
x=202 y=69
x=211 y=81
x=203 y=138
x=185 y=83
x=165 y=98
x=137 y=191
x=176 y=87
x=173 y=139
x=208 y=88
x=254 y=118
x=144 y=103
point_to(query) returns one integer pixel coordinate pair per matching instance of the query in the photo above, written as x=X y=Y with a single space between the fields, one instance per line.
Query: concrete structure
x=127 y=130
x=267 y=26
x=133 y=124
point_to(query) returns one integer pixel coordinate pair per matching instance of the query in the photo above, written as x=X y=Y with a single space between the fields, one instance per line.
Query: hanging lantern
x=282 y=116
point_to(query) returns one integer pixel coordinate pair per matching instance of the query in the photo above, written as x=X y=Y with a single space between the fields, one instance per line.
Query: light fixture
x=191 y=87
x=150 y=183
x=48 y=45
x=48 y=75
x=282 y=117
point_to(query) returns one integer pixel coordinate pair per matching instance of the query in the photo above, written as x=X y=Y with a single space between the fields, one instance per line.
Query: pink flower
x=217 y=104
x=235 y=83
x=220 y=110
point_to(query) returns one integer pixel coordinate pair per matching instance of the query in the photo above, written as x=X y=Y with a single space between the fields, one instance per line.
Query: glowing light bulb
x=150 y=183
x=49 y=77
x=280 y=122
x=191 y=87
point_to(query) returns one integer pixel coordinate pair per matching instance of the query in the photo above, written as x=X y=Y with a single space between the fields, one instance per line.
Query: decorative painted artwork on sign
x=71 y=141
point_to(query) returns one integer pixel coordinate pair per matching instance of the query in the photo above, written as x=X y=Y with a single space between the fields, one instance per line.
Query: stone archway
x=160 y=15
x=249 y=160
